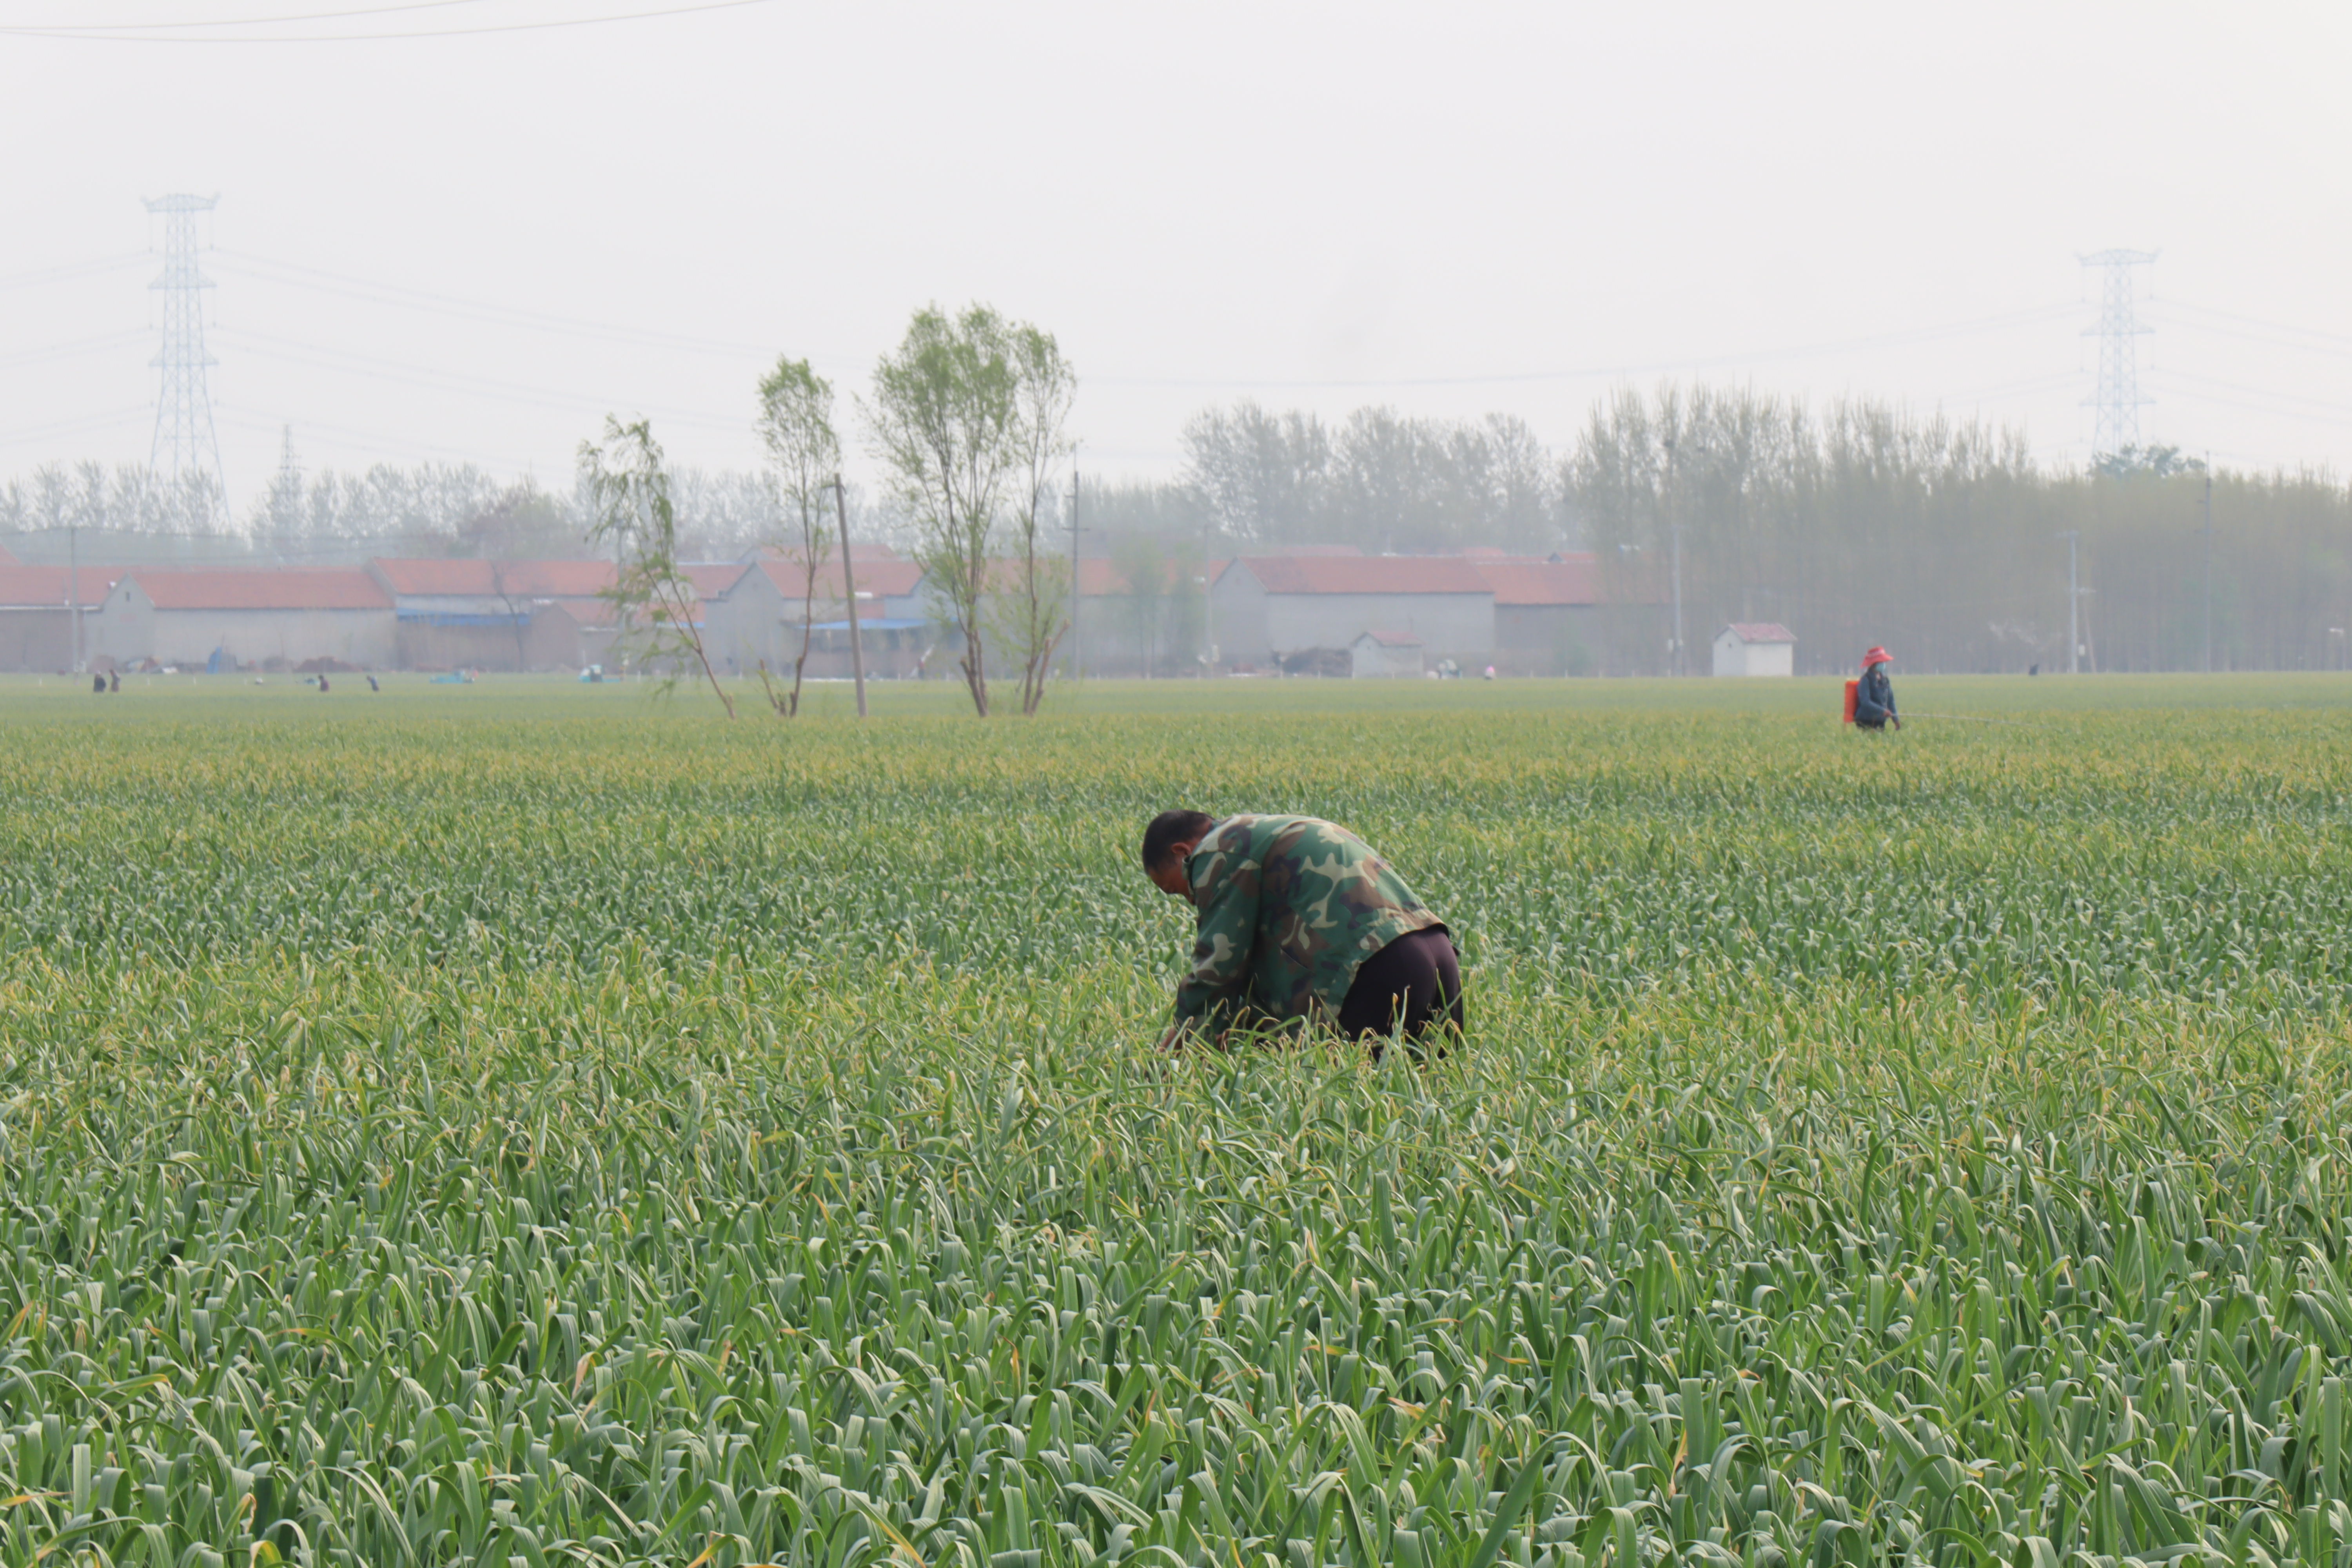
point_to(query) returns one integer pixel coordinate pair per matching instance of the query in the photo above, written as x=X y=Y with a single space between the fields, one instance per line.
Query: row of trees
x=1380 y=480
x=424 y=508
x=1867 y=523
x=125 y=499
x=1846 y=523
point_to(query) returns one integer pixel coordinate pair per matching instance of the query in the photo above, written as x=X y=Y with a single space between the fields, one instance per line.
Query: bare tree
x=796 y=424
x=627 y=489
x=943 y=416
x=1034 y=614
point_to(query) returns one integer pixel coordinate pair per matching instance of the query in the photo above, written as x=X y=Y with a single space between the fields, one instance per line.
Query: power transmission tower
x=186 y=446
x=2117 y=400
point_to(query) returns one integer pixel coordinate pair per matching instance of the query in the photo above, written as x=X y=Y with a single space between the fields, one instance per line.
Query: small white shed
x=1755 y=647
x=1385 y=653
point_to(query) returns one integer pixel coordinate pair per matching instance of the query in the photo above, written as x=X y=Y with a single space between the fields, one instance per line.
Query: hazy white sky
x=472 y=246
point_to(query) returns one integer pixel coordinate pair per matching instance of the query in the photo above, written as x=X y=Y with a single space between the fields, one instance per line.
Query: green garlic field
x=529 y=1123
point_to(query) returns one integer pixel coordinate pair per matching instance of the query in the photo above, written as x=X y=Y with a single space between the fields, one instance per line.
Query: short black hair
x=1169 y=829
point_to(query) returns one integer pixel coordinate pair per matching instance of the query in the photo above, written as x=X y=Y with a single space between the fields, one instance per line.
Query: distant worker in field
x=1873 y=697
x=1301 y=920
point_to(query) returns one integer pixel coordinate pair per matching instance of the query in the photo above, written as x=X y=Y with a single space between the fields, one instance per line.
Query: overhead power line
x=83 y=424
x=371 y=441
x=151 y=36
x=293 y=275
x=2300 y=340
x=2038 y=314
x=252 y=21
x=266 y=346
x=73 y=348
x=67 y=272
x=2339 y=339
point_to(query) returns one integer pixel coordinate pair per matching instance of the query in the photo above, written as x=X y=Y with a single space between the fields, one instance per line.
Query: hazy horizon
x=468 y=248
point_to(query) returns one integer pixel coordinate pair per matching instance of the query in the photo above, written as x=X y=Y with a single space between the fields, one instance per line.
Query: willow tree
x=626 y=486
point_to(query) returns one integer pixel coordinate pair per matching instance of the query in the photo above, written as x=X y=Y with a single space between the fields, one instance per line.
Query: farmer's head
x=1172 y=837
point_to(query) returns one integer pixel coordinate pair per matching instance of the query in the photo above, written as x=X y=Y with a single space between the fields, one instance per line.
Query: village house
x=36 y=612
x=1120 y=631
x=489 y=615
x=1547 y=612
x=277 y=619
x=1302 y=612
x=763 y=619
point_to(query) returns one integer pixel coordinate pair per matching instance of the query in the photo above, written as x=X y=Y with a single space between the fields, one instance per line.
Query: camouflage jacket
x=1290 y=906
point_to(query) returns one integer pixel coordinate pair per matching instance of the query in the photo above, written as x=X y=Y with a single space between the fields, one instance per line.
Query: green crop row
x=631 y=1140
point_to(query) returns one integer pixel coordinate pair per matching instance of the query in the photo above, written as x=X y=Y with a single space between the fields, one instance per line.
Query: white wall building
x=1382 y=653
x=1755 y=647
x=290 y=615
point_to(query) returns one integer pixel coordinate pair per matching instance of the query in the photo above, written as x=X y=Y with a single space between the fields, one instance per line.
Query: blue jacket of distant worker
x=1873 y=701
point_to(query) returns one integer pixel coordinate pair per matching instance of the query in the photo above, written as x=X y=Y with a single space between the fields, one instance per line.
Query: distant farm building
x=1386 y=654
x=36 y=612
x=895 y=615
x=1547 y=611
x=272 y=619
x=491 y=615
x=1307 y=612
x=1755 y=647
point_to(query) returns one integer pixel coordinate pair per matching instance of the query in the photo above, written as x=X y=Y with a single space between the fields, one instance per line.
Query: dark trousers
x=1416 y=982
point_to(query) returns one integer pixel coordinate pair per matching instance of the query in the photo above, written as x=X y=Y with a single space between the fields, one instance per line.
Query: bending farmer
x=1874 y=700
x=1299 y=919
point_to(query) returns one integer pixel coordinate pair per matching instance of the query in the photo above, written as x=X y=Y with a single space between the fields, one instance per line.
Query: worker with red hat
x=1873 y=698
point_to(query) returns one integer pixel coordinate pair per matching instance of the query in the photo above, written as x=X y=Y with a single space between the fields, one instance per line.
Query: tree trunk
x=975 y=666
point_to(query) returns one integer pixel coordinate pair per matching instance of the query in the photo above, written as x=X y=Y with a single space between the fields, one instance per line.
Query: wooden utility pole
x=849 y=591
x=73 y=591
x=2209 y=562
x=2074 y=605
x=1076 y=603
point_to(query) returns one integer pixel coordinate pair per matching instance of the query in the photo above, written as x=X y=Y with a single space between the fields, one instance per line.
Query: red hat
x=1877 y=656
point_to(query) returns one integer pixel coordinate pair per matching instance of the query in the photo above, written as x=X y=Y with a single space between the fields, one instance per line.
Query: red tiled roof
x=889 y=579
x=531 y=579
x=1571 y=580
x=587 y=613
x=859 y=550
x=286 y=588
x=1099 y=575
x=712 y=579
x=46 y=587
x=1760 y=631
x=7 y=556
x=1365 y=573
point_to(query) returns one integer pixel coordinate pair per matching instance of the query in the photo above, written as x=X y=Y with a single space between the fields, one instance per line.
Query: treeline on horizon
x=1863 y=523
x=1857 y=523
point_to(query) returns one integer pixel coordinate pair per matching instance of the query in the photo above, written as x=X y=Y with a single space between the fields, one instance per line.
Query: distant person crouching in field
x=1299 y=919
x=1874 y=700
